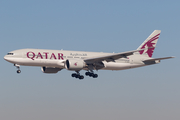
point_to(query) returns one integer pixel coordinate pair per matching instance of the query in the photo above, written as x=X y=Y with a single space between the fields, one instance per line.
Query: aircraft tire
x=95 y=75
x=77 y=76
x=73 y=75
x=87 y=73
x=91 y=74
x=81 y=77
x=18 y=71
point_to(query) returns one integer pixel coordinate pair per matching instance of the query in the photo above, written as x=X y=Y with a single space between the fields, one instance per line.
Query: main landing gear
x=91 y=74
x=18 y=67
x=77 y=75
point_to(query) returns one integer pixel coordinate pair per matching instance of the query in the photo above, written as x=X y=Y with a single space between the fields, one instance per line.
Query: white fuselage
x=57 y=58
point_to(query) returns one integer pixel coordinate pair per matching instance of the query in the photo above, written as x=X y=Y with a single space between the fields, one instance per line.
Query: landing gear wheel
x=91 y=74
x=18 y=71
x=87 y=73
x=73 y=75
x=81 y=77
x=77 y=76
x=95 y=76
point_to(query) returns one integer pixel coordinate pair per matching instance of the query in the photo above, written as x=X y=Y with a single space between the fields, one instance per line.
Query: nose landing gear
x=18 y=67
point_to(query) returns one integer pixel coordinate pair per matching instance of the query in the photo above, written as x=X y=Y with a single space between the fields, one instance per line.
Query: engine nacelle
x=50 y=69
x=74 y=65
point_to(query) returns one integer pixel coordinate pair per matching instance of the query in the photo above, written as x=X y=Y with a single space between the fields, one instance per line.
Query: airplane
x=53 y=61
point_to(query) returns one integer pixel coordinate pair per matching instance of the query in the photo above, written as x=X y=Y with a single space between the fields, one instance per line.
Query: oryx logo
x=150 y=43
x=75 y=64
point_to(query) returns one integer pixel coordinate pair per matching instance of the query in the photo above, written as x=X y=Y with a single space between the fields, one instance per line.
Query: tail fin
x=150 y=43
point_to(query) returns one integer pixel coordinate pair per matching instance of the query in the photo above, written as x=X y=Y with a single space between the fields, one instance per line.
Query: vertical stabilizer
x=150 y=43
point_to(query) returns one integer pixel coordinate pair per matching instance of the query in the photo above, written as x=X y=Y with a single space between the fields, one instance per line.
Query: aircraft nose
x=6 y=58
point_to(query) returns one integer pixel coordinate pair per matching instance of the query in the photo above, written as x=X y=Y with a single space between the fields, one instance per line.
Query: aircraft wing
x=154 y=59
x=111 y=57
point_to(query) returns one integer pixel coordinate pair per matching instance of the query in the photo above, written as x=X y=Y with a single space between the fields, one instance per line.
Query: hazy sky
x=147 y=93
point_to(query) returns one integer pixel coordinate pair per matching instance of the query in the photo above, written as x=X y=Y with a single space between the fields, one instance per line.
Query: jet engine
x=74 y=65
x=50 y=69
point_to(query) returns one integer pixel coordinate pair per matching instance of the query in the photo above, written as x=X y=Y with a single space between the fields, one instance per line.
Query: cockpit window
x=10 y=53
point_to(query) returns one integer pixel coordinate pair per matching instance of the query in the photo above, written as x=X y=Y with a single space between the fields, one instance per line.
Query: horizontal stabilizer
x=154 y=59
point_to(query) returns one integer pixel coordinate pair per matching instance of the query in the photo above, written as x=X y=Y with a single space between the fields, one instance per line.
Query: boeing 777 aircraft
x=52 y=61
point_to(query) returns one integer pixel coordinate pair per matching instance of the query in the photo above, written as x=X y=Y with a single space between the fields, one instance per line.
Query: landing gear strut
x=18 y=67
x=77 y=75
